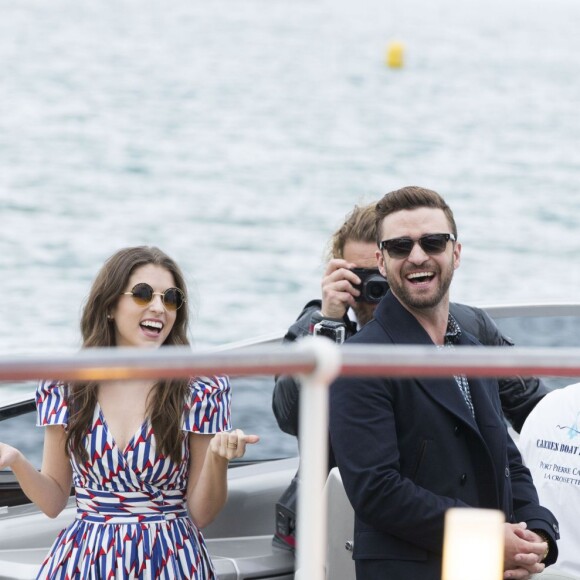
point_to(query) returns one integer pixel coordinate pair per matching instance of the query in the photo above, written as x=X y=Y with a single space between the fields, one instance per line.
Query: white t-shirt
x=550 y=447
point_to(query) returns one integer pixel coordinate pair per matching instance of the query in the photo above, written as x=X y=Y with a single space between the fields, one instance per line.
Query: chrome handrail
x=291 y=358
x=167 y=362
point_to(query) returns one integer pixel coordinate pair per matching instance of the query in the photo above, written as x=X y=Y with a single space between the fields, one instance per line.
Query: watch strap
x=317 y=317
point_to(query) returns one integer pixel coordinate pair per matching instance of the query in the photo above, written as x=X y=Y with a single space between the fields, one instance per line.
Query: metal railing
x=317 y=362
x=296 y=358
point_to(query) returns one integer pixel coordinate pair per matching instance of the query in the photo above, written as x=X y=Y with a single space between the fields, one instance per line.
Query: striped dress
x=131 y=519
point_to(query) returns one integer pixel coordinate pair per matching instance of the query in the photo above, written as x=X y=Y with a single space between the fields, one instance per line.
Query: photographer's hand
x=338 y=292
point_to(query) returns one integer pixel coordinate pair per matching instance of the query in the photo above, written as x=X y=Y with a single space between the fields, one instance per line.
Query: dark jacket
x=518 y=395
x=409 y=449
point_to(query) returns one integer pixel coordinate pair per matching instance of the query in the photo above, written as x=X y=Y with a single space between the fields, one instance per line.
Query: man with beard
x=344 y=309
x=409 y=449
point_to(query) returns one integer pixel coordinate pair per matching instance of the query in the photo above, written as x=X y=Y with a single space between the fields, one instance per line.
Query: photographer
x=348 y=303
x=353 y=245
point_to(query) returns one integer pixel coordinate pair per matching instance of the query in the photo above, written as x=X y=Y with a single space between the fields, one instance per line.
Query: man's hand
x=523 y=552
x=338 y=292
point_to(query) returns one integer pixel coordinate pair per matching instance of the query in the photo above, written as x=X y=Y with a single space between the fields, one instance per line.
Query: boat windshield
x=543 y=331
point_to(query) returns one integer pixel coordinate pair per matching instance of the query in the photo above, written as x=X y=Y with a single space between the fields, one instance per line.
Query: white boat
x=240 y=539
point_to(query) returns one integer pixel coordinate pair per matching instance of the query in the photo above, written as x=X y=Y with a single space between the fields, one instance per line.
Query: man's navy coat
x=409 y=449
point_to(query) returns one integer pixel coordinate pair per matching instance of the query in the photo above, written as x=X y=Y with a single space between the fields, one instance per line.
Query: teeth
x=153 y=324
x=419 y=275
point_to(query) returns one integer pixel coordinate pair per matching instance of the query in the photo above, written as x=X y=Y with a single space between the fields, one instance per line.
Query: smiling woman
x=144 y=452
x=142 y=322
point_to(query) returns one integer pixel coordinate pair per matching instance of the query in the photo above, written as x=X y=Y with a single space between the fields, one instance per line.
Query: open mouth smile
x=153 y=327
x=418 y=278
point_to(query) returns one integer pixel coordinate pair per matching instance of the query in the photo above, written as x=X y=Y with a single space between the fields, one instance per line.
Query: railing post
x=313 y=444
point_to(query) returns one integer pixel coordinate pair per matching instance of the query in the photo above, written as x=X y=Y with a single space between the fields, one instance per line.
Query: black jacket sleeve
x=285 y=398
x=519 y=395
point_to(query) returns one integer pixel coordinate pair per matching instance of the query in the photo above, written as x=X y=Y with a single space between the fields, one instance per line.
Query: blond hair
x=359 y=226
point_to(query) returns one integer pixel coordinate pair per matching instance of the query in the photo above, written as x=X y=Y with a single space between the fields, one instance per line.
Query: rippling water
x=237 y=134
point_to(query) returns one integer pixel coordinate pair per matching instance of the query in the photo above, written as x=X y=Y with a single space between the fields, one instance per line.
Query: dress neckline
x=129 y=446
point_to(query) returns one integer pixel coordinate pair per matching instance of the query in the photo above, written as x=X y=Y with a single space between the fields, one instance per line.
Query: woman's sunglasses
x=172 y=298
x=431 y=244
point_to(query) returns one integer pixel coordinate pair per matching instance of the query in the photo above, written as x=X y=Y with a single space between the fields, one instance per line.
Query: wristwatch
x=332 y=329
x=546 y=539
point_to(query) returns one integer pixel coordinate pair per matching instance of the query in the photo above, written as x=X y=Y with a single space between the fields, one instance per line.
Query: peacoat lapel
x=401 y=327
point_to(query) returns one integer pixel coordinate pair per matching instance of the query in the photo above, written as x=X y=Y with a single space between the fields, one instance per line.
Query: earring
x=109 y=317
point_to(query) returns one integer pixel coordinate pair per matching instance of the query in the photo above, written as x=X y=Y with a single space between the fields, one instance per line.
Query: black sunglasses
x=430 y=243
x=172 y=298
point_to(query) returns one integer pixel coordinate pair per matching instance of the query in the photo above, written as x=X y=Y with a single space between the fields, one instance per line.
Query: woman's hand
x=8 y=456
x=231 y=444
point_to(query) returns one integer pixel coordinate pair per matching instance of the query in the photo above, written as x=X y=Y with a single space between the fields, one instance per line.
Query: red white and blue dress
x=132 y=519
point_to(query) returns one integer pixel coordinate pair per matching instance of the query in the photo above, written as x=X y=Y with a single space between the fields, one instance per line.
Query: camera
x=373 y=285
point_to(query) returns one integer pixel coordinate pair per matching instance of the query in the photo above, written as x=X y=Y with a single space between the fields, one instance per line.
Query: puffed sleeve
x=208 y=407
x=51 y=407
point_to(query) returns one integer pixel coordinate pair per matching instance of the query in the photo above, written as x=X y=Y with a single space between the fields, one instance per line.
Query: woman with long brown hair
x=148 y=459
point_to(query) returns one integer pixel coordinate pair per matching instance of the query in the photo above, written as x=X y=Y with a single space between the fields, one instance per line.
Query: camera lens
x=374 y=289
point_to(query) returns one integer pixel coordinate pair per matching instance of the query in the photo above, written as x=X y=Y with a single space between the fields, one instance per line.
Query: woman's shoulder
x=48 y=389
x=209 y=384
x=51 y=403
x=203 y=390
x=208 y=405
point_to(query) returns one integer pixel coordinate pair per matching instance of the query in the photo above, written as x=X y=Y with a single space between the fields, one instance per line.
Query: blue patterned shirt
x=451 y=337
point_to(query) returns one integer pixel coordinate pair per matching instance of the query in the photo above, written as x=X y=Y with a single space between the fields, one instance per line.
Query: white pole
x=473 y=544
x=313 y=433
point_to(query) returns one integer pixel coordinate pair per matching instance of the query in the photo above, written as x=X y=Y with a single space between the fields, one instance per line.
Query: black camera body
x=373 y=285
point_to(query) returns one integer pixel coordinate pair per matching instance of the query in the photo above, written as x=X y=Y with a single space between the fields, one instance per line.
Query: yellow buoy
x=395 y=53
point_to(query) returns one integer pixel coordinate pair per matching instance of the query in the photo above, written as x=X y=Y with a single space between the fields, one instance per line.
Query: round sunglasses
x=431 y=244
x=172 y=298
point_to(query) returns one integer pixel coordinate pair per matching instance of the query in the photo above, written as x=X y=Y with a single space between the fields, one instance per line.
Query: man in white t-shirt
x=550 y=446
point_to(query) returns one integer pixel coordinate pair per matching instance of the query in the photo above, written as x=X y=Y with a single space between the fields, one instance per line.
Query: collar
x=404 y=328
x=351 y=315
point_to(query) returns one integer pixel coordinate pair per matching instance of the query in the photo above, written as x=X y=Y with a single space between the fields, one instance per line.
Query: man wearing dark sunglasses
x=409 y=449
x=353 y=245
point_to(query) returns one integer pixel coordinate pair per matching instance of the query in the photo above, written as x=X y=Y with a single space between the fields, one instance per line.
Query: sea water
x=236 y=135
